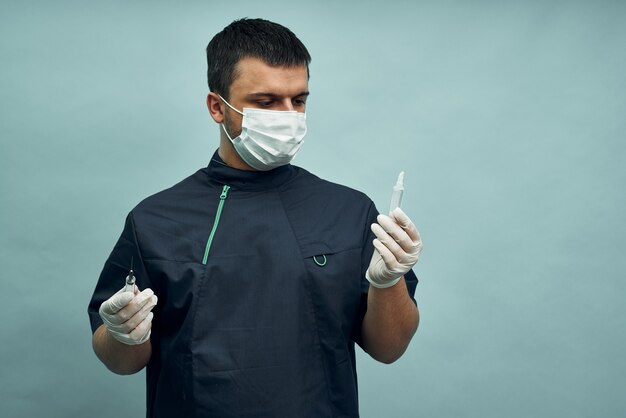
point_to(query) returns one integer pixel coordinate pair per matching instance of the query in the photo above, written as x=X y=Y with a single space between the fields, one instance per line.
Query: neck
x=228 y=154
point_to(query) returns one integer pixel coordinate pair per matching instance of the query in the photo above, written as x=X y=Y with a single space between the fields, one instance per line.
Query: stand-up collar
x=221 y=173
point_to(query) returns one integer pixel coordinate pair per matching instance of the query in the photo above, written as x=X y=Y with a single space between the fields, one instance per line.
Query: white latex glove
x=128 y=315
x=397 y=248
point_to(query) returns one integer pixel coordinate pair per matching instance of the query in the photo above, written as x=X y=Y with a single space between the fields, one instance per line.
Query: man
x=266 y=275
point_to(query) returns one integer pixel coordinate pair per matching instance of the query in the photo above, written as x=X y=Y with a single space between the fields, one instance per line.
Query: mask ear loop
x=223 y=126
x=226 y=132
x=229 y=105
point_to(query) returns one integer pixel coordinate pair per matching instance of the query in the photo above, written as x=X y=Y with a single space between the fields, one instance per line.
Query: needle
x=130 y=279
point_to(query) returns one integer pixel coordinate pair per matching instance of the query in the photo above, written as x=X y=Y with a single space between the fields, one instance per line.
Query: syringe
x=130 y=279
x=396 y=195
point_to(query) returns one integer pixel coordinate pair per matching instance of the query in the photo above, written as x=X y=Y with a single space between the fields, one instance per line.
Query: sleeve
x=116 y=268
x=366 y=256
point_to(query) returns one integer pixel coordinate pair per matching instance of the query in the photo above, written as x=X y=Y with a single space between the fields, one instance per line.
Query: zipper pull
x=224 y=192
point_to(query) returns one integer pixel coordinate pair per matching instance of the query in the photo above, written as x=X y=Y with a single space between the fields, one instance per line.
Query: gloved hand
x=397 y=248
x=128 y=315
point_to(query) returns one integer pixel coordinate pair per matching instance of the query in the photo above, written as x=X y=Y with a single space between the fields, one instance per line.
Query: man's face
x=259 y=85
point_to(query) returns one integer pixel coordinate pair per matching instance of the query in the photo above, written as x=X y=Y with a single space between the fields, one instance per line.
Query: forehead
x=254 y=75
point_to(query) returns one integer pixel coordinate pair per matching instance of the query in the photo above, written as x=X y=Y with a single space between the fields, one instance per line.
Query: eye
x=299 y=102
x=265 y=103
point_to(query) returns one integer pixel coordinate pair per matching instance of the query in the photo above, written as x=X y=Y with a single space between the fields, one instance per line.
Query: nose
x=286 y=104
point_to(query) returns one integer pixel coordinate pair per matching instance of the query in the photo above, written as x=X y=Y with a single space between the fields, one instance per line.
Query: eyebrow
x=273 y=95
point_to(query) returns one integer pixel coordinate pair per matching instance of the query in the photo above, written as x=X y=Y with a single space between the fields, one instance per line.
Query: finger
x=127 y=339
x=145 y=310
x=397 y=233
x=388 y=258
x=388 y=241
x=405 y=223
x=134 y=306
x=402 y=256
x=116 y=302
x=142 y=329
x=133 y=322
x=145 y=338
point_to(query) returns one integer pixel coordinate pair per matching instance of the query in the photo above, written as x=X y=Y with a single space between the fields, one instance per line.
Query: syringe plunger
x=396 y=195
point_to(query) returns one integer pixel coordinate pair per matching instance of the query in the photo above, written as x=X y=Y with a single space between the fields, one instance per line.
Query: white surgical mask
x=269 y=138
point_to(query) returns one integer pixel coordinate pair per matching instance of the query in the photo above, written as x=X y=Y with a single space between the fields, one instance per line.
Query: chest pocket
x=334 y=282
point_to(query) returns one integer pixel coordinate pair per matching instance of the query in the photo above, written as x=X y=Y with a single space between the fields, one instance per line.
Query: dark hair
x=257 y=38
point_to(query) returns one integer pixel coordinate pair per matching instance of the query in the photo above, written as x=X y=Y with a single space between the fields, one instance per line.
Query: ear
x=215 y=106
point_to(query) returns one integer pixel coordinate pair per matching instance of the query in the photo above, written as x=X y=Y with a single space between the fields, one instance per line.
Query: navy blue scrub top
x=264 y=324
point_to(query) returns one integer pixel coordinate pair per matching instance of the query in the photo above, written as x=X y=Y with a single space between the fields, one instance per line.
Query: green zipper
x=223 y=197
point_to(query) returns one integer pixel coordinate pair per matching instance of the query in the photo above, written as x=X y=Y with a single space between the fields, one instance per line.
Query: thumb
x=117 y=302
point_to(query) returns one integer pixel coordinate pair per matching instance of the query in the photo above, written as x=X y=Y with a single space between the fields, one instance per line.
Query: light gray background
x=508 y=118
